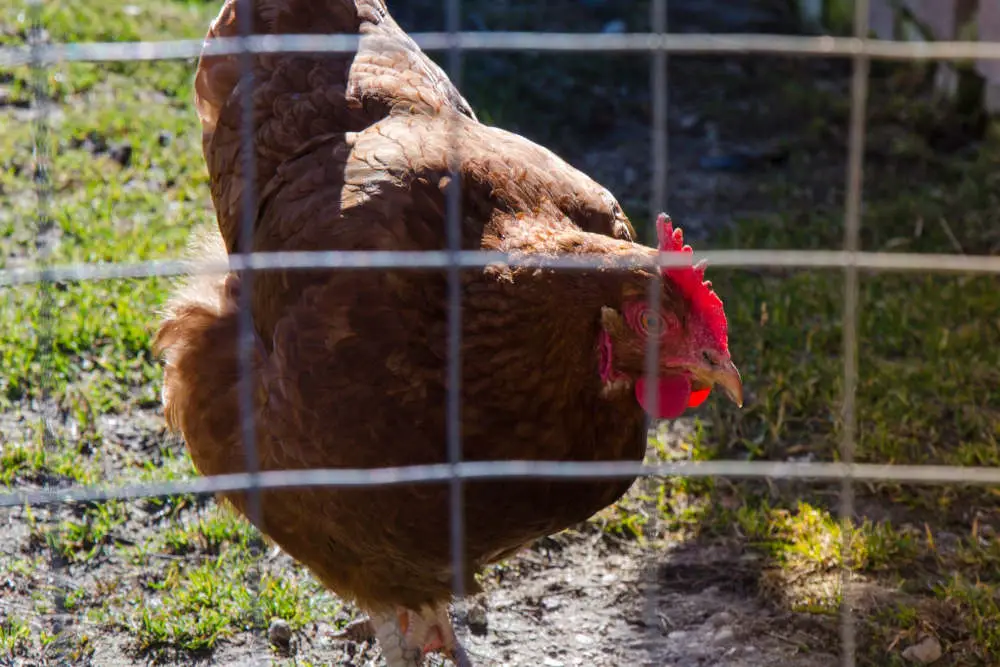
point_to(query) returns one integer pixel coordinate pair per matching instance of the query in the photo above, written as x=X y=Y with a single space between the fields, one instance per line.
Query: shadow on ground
x=749 y=573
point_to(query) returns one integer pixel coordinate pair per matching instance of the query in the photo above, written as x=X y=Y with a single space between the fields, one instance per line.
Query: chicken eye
x=646 y=321
x=653 y=324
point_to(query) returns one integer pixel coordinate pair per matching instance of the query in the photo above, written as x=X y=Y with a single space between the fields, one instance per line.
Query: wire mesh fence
x=659 y=44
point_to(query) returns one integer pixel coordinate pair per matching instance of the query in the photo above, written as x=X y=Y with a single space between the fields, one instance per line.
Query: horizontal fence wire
x=471 y=259
x=499 y=470
x=686 y=43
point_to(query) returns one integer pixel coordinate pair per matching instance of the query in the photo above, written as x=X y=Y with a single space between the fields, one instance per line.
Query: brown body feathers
x=351 y=152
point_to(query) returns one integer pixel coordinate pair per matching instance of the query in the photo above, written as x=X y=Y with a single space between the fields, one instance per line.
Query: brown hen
x=351 y=153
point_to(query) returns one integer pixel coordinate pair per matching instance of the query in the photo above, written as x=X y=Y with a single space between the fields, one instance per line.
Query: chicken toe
x=439 y=635
x=458 y=655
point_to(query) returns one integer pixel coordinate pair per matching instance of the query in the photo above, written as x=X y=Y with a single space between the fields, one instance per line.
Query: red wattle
x=698 y=397
x=674 y=396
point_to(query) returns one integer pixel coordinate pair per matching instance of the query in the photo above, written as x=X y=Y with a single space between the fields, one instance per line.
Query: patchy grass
x=178 y=574
x=15 y=636
x=928 y=392
x=192 y=607
x=908 y=579
x=209 y=534
x=20 y=463
x=85 y=536
x=127 y=184
x=76 y=375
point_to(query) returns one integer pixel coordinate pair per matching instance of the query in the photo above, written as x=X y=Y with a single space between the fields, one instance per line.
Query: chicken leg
x=405 y=636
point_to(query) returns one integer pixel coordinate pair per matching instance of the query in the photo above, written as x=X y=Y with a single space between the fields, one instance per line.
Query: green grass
x=220 y=589
x=928 y=392
x=926 y=558
x=85 y=537
x=21 y=463
x=95 y=350
x=929 y=365
x=104 y=211
x=910 y=582
x=209 y=535
x=87 y=344
x=14 y=636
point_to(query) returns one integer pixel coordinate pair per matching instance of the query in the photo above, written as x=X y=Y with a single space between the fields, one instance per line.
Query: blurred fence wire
x=687 y=43
x=658 y=44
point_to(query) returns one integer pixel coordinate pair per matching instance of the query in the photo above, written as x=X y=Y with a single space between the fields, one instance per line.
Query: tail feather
x=198 y=341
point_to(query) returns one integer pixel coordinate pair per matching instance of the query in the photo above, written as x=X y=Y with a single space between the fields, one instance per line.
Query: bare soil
x=583 y=597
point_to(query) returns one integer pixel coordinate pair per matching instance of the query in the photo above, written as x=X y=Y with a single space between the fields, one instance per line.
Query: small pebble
x=279 y=633
x=121 y=153
x=477 y=619
x=552 y=662
x=720 y=619
x=925 y=652
x=724 y=635
x=93 y=143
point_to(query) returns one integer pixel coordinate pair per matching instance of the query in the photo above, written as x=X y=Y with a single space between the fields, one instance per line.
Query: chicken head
x=689 y=329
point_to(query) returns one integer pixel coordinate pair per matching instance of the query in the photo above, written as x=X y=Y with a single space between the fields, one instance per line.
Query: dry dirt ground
x=584 y=597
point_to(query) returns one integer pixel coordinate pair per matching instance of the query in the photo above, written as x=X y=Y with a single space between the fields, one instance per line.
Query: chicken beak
x=728 y=377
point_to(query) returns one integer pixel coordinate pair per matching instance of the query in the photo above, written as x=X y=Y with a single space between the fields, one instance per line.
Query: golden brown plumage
x=351 y=152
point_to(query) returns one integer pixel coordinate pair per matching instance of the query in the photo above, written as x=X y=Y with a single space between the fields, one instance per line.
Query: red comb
x=691 y=281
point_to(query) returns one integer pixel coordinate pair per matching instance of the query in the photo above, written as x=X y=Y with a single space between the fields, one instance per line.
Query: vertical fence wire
x=657 y=204
x=661 y=162
x=245 y=329
x=658 y=190
x=43 y=325
x=453 y=407
x=852 y=236
x=42 y=185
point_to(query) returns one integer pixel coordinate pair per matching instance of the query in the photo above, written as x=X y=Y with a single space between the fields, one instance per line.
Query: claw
x=359 y=630
x=458 y=655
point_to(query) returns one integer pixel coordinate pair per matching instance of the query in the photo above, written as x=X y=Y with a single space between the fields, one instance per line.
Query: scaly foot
x=391 y=630
x=406 y=636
